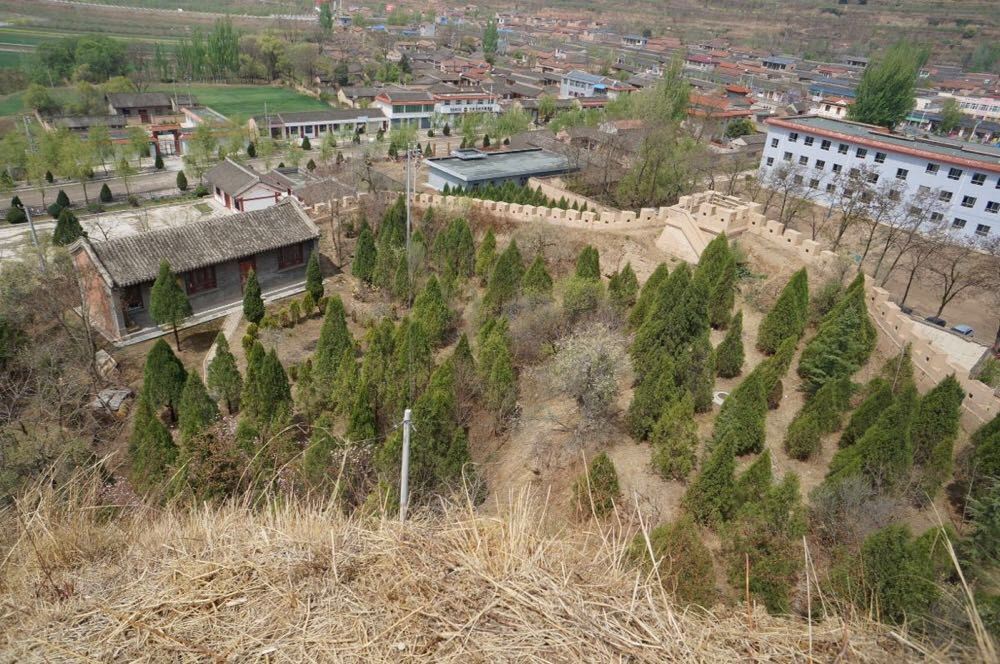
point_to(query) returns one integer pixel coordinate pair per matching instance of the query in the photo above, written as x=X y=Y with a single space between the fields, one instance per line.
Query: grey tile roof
x=138 y=99
x=136 y=258
x=231 y=177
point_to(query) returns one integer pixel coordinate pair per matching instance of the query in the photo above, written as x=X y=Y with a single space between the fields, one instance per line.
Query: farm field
x=248 y=100
x=13 y=58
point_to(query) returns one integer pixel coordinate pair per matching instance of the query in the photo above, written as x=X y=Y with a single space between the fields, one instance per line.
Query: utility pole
x=404 y=480
x=27 y=208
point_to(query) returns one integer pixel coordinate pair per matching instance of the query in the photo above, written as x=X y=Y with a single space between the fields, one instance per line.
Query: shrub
x=582 y=296
x=802 y=438
x=182 y=184
x=684 y=563
x=294 y=313
x=158 y=163
x=16 y=215
x=306 y=145
x=62 y=200
x=898 y=579
x=675 y=439
x=787 y=317
x=597 y=491
x=311 y=164
x=587 y=367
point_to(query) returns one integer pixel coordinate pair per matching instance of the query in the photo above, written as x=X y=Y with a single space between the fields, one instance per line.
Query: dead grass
x=300 y=582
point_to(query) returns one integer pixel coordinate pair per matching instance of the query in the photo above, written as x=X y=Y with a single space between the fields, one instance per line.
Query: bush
x=62 y=199
x=105 y=194
x=182 y=184
x=597 y=491
x=582 y=296
x=294 y=313
x=306 y=145
x=158 y=163
x=201 y=191
x=802 y=438
x=587 y=367
x=684 y=563
x=16 y=215
x=898 y=579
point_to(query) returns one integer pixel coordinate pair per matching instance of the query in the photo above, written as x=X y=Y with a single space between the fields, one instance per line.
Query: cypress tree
x=598 y=491
x=753 y=483
x=505 y=281
x=401 y=285
x=62 y=200
x=674 y=439
x=729 y=354
x=318 y=464
x=105 y=195
x=314 y=277
x=363 y=266
x=412 y=364
x=647 y=295
x=845 y=339
x=722 y=294
x=463 y=247
x=689 y=319
x=935 y=428
x=711 y=497
x=742 y=417
x=274 y=395
x=651 y=337
x=253 y=303
x=345 y=383
x=684 y=562
x=898 y=370
x=362 y=420
x=182 y=183
x=151 y=449
x=334 y=339
x=251 y=150
x=537 y=280
x=68 y=228
x=713 y=258
x=623 y=288
x=652 y=393
x=168 y=303
x=306 y=145
x=224 y=378
x=158 y=163
x=789 y=315
x=878 y=397
x=802 y=438
x=196 y=410
x=588 y=264
x=163 y=378
x=486 y=256
x=898 y=579
x=696 y=372
x=499 y=378
x=431 y=311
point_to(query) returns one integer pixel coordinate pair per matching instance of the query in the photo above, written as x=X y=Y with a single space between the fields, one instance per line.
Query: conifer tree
x=788 y=316
x=68 y=229
x=898 y=370
x=363 y=266
x=652 y=393
x=412 y=363
x=722 y=294
x=685 y=563
x=196 y=410
x=647 y=295
x=878 y=397
x=689 y=319
x=182 y=183
x=711 y=497
x=845 y=339
x=105 y=195
x=486 y=256
x=753 y=483
x=62 y=200
x=802 y=438
x=505 y=281
x=588 y=264
x=820 y=415
x=537 y=281
x=345 y=383
x=224 y=378
x=935 y=428
x=362 y=420
x=163 y=378
x=598 y=490
x=729 y=354
x=334 y=339
x=674 y=439
x=897 y=578
x=499 y=378
x=275 y=394
x=651 y=337
x=253 y=303
x=168 y=303
x=431 y=311
x=314 y=277
x=742 y=416
x=151 y=449
x=462 y=247
x=696 y=371
x=623 y=288
x=318 y=464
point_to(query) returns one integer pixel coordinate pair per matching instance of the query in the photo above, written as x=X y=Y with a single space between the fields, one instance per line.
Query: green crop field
x=245 y=101
x=13 y=58
x=10 y=104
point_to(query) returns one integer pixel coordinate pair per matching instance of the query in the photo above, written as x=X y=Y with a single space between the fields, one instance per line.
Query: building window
x=958 y=223
x=797 y=179
x=854 y=173
x=901 y=173
x=824 y=145
x=770 y=161
x=794 y=136
x=982 y=230
x=290 y=256
x=787 y=156
x=842 y=148
x=879 y=157
x=954 y=173
x=837 y=168
x=814 y=183
x=819 y=164
x=978 y=178
x=830 y=188
x=993 y=207
x=944 y=196
x=932 y=168
x=936 y=216
x=861 y=153
x=915 y=211
x=803 y=160
x=968 y=201
x=873 y=177
x=201 y=280
x=808 y=140
x=774 y=142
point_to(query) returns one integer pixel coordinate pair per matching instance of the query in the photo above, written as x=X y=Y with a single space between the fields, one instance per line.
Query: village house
x=143 y=105
x=212 y=259
x=241 y=188
x=300 y=125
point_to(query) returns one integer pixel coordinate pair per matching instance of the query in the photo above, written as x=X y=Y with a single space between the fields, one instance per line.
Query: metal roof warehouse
x=472 y=168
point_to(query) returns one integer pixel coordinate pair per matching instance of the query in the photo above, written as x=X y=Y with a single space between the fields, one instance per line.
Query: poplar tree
x=253 y=303
x=151 y=449
x=168 y=303
x=788 y=316
x=224 y=378
x=431 y=311
x=314 y=277
x=729 y=354
x=887 y=90
x=365 y=253
x=163 y=378
x=197 y=410
x=536 y=280
x=647 y=295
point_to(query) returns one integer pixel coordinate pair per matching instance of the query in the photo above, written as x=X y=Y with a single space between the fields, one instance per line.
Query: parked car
x=964 y=330
x=934 y=320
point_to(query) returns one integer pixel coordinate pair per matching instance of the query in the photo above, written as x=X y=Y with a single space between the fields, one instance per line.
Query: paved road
x=155 y=181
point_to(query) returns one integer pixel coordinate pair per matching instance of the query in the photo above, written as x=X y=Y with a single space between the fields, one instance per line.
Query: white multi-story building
x=963 y=177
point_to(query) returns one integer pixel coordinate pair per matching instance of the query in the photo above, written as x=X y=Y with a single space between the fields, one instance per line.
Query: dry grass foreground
x=293 y=583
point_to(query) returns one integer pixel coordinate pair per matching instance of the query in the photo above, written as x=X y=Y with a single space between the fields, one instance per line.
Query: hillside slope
x=298 y=583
